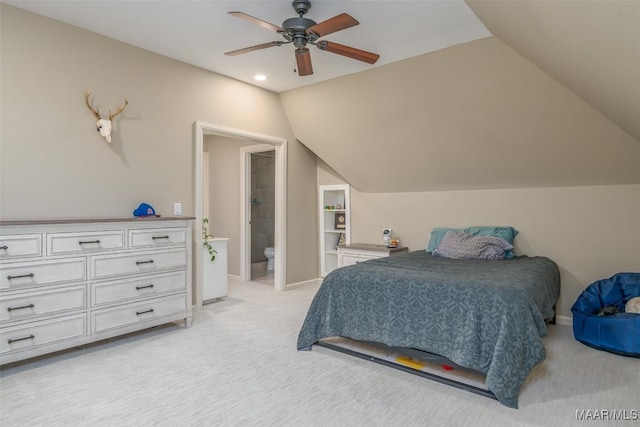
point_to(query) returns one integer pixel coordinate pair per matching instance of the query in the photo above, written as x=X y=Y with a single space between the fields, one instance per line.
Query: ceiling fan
x=303 y=31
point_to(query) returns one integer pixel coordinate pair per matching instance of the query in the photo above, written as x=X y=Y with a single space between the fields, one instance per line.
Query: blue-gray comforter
x=484 y=315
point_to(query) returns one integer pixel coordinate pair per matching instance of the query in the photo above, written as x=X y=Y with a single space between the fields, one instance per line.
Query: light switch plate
x=177 y=209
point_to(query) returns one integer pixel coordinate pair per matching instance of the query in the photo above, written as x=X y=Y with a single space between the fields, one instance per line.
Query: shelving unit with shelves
x=335 y=211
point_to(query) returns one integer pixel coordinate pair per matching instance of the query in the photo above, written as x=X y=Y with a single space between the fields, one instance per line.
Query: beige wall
x=473 y=116
x=590 y=232
x=54 y=164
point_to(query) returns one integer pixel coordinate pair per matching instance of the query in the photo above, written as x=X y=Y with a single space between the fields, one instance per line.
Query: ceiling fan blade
x=264 y=24
x=252 y=48
x=303 y=59
x=350 y=52
x=331 y=25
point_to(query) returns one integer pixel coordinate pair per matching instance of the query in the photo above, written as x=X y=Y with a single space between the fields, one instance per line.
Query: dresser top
x=370 y=247
x=93 y=220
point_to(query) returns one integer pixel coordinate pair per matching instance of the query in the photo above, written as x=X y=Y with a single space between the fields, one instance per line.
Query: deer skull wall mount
x=104 y=125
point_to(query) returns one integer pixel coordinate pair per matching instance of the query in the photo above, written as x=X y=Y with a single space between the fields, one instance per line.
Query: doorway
x=265 y=142
x=261 y=183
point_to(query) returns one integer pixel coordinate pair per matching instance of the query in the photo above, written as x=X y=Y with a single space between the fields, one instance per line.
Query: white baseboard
x=564 y=320
x=233 y=276
x=304 y=283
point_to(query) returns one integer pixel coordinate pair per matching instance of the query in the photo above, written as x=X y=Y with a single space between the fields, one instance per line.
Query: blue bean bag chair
x=612 y=330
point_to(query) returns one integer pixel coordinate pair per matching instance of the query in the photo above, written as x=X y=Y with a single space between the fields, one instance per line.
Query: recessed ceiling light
x=260 y=77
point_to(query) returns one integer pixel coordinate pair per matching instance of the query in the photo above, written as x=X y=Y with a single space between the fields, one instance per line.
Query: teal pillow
x=507 y=233
x=437 y=234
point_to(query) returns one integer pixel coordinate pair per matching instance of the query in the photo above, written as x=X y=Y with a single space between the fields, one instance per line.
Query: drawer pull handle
x=144 y=287
x=30 y=337
x=4 y=247
x=88 y=242
x=160 y=237
x=144 y=262
x=10 y=309
x=20 y=276
x=143 y=312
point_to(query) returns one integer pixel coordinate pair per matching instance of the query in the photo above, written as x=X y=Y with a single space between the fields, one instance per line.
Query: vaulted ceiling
x=553 y=99
x=590 y=47
x=200 y=32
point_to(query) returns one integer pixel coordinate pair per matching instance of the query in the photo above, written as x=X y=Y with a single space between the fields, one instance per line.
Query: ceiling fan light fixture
x=301 y=31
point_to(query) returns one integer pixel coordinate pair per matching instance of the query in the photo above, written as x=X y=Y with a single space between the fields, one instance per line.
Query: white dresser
x=65 y=283
x=359 y=252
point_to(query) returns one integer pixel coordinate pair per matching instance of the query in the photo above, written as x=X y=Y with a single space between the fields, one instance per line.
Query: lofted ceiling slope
x=474 y=116
x=552 y=100
x=591 y=47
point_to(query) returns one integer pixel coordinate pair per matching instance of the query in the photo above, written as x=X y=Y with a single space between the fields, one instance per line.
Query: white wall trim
x=205 y=187
x=280 y=237
x=564 y=320
x=304 y=283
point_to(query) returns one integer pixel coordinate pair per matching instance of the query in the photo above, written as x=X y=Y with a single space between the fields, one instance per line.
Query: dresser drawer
x=135 y=313
x=142 y=287
x=73 y=243
x=157 y=237
x=354 y=259
x=36 y=334
x=27 y=305
x=40 y=273
x=19 y=246
x=105 y=266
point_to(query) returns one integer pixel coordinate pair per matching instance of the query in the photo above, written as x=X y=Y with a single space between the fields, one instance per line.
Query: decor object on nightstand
x=386 y=236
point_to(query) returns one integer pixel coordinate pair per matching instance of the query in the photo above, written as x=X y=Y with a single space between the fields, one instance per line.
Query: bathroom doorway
x=262 y=219
x=267 y=142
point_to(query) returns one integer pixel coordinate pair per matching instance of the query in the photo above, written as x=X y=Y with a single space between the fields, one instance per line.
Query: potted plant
x=205 y=239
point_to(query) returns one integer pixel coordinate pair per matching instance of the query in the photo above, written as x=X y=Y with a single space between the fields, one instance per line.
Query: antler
x=87 y=94
x=120 y=110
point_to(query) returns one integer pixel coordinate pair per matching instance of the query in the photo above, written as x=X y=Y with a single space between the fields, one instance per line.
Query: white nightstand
x=358 y=252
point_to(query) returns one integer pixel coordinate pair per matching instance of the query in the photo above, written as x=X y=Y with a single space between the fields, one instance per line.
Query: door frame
x=245 y=210
x=280 y=237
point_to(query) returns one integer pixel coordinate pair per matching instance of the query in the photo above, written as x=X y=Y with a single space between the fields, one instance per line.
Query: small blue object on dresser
x=144 y=210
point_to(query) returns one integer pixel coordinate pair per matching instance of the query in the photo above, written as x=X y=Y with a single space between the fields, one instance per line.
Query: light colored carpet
x=238 y=365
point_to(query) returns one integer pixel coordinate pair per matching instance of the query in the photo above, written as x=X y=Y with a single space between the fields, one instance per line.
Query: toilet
x=269 y=253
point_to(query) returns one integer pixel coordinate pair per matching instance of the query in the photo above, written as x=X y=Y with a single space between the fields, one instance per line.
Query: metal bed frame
x=415 y=354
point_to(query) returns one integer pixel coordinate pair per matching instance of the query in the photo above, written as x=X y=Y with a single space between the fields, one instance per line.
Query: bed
x=486 y=315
